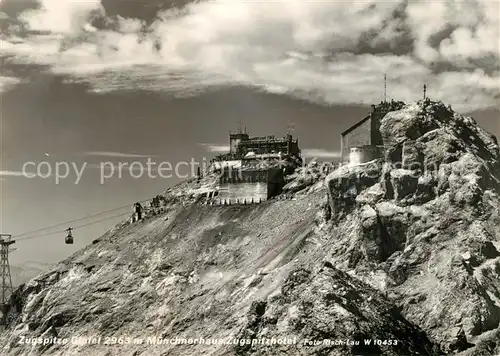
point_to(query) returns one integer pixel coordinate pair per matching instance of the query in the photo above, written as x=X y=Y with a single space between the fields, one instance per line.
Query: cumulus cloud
x=332 y=51
x=8 y=82
x=216 y=148
x=5 y=173
x=463 y=30
x=320 y=153
x=117 y=154
x=61 y=16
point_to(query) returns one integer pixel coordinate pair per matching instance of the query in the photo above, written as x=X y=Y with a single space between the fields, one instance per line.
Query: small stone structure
x=363 y=154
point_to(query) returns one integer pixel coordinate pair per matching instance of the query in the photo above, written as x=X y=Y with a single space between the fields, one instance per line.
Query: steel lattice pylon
x=6 y=288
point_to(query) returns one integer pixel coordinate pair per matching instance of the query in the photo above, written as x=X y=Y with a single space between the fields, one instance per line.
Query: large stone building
x=254 y=169
x=241 y=144
x=363 y=141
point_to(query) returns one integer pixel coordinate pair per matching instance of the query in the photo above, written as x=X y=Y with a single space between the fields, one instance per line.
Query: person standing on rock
x=137 y=212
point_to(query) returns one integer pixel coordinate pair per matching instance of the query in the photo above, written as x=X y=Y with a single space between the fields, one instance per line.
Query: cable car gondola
x=69 y=238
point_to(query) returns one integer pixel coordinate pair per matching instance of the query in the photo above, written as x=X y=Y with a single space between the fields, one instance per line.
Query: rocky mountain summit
x=425 y=219
x=397 y=256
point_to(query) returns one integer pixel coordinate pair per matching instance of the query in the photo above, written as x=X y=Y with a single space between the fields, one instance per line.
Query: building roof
x=358 y=124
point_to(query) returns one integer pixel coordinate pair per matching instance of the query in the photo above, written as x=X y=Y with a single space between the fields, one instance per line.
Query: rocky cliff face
x=394 y=257
x=425 y=218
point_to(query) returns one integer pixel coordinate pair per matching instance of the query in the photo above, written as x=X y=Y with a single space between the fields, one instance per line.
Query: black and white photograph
x=249 y=177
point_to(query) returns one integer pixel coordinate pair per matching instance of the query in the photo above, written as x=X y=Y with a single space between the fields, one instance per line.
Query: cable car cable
x=74 y=228
x=75 y=220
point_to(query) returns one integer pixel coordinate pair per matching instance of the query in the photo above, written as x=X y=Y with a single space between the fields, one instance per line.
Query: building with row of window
x=255 y=167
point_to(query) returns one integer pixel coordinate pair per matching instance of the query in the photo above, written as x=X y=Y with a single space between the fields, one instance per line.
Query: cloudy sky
x=90 y=81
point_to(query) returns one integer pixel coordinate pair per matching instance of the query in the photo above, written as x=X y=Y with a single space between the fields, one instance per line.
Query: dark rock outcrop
x=350 y=317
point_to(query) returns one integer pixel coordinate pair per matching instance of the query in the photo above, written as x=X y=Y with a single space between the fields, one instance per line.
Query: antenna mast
x=385 y=87
x=425 y=91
